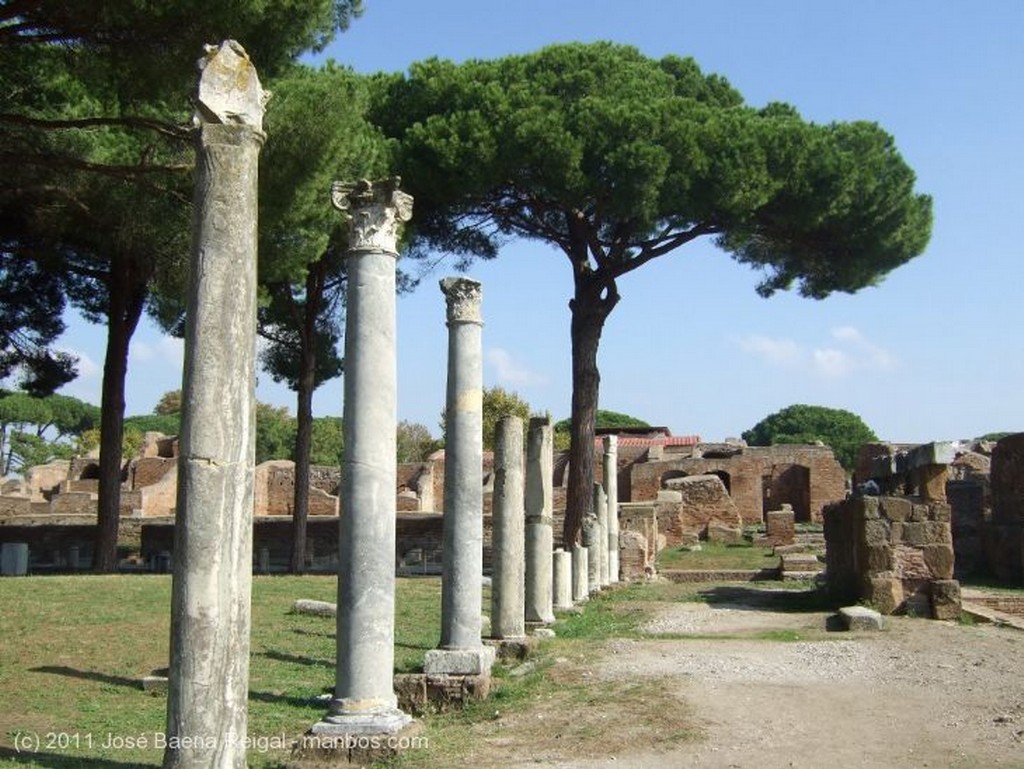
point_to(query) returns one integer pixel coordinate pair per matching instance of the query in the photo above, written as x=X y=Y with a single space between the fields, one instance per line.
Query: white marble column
x=580 y=574
x=364 y=698
x=601 y=506
x=507 y=583
x=561 y=579
x=611 y=487
x=208 y=684
x=539 y=510
x=461 y=651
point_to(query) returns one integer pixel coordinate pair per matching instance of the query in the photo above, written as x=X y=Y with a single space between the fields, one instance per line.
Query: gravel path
x=920 y=694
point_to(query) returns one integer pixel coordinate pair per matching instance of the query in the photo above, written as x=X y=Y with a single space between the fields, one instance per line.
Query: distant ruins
x=673 y=490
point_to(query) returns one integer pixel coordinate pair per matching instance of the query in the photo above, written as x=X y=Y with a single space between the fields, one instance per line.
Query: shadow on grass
x=89 y=675
x=63 y=761
x=296 y=659
x=744 y=598
x=284 y=699
x=314 y=633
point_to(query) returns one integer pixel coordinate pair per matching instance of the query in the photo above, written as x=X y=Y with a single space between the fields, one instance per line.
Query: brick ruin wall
x=757 y=478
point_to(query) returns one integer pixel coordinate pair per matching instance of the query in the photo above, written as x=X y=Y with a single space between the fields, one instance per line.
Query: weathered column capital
x=611 y=444
x=464 y=297
x=229 y=92
x=375 y=211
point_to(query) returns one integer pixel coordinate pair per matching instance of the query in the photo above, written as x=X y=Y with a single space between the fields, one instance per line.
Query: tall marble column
x=539 y=510
x=611 y=487
x=507 y=583
x=364 y=698
x=461 y=651
x=208 y=685
x=601 y=508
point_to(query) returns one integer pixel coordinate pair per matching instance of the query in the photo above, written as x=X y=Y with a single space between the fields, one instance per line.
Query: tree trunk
x=592 y=302
x=304 y=417
x=125 y=304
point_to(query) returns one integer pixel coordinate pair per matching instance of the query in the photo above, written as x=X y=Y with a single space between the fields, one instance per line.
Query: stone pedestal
x=611 y=487
x=561 y=569
x=210 y=598
x=539 y=508
x=507 y=583
x=580 y=574
x=364 y=698
x=461 y=650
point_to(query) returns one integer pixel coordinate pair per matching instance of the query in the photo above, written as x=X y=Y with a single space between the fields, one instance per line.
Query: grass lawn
x=76 y=647
x=714 y=556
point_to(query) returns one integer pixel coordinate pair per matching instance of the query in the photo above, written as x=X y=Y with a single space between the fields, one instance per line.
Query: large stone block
x=876 y=532
x=940 y=560
x=860 y=618
x=945 y=599
x=878 y=558
x=896 y=508
x=885 y=594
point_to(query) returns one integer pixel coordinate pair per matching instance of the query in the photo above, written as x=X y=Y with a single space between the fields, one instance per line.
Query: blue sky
x=934 y=352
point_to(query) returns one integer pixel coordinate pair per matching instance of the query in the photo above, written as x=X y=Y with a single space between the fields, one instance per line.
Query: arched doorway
x=788 y=484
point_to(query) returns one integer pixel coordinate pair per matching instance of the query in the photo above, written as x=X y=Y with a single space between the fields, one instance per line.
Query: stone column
x=580 y=574
x=364 y=698
x=539 y=509
x=461 y=651
x=561 y=580
x=611 y=487
x=601 y=509
x=591 y=535
x=507 y=584
x=208 y=684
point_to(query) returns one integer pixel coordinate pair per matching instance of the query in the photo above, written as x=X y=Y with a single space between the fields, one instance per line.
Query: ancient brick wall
x=746 y=473
x=894 y=552
x=12 y=506
x=702 y=501
x=149 y=470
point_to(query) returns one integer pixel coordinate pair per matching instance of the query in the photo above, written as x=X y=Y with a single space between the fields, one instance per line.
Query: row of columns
x=553 y=580
x=208 y=680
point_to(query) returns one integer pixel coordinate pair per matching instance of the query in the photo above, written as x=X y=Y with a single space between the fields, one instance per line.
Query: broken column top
x=229 y=89
x=464 y=297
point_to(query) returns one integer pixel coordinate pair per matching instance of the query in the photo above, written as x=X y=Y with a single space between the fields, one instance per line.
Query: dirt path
x=920 y=694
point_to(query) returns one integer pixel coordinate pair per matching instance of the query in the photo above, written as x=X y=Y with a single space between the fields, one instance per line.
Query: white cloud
x=848 y=353
x=832 y=363
x=509 y=371
x=166 y=349
x=776 y=351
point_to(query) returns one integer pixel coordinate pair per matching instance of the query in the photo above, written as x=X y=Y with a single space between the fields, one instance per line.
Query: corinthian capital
x=463 y=296
x=376 y=211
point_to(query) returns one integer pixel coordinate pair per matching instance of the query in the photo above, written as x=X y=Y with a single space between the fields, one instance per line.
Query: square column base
x=459 y=662
x=327 y=748
x=387 y=721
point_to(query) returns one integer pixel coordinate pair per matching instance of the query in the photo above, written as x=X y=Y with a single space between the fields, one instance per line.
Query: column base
x=459 y=662
x=386 y=721
x=333 y=748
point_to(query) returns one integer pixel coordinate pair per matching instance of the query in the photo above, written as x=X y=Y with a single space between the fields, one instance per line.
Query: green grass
x=716 y=556
x=76 y=647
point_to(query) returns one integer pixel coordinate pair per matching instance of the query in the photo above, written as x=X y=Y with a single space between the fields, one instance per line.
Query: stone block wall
x=894 y=552
x=638 y=540
x=780 y=528
x=1003 y=537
